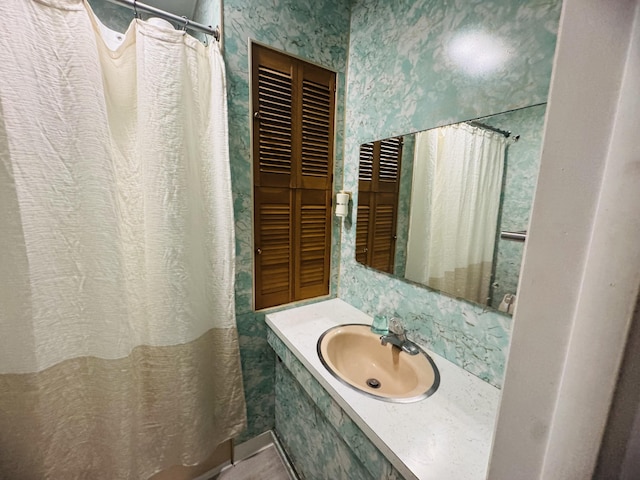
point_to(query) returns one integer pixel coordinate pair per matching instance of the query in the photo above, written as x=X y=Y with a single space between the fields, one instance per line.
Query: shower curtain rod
x=506 y=133
x=172 y=17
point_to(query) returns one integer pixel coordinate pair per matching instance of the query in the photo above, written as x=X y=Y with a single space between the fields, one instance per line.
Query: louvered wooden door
x=379 y=180
x=293 y=108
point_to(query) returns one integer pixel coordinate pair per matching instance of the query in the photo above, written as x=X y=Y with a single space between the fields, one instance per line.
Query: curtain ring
x=135 y=9
x=186 y=24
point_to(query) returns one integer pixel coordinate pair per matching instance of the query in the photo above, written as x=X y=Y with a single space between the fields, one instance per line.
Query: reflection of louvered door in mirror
x=365 y=181
x=378 y=185
x=293 y=110
x=362 y=227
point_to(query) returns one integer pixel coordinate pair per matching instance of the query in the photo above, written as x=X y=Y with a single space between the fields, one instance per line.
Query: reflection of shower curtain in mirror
x=457 y=177
x=118 y=344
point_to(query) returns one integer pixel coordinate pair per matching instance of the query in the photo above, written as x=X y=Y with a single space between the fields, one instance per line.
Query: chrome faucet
x=398 y=338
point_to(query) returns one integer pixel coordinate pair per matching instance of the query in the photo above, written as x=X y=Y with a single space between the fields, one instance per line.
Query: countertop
x=445 y=436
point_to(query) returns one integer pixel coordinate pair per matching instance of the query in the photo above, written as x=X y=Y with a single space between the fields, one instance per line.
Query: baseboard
x=250 y=448
x=285 y=458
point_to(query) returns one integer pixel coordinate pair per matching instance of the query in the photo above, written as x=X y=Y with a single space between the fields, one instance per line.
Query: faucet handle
x=395 y=326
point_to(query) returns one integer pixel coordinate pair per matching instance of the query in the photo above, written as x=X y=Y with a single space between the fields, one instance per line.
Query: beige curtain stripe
x=90 y=418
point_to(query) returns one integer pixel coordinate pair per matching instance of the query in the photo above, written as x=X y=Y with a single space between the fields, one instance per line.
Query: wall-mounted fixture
x=342 y=204
x=519 y=236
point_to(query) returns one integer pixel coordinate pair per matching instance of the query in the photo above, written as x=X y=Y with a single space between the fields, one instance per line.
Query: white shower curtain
x=457 y=179
x=118 y=345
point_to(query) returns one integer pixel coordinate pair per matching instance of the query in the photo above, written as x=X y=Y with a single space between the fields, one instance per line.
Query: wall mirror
x=447 y=208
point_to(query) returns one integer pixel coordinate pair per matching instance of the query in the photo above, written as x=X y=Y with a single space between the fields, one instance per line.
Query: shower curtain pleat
x=118 y=345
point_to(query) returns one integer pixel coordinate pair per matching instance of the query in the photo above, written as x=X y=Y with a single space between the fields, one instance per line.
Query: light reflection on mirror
x=432 y=205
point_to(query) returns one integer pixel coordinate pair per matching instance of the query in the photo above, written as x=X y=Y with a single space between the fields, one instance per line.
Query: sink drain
x=373 y=383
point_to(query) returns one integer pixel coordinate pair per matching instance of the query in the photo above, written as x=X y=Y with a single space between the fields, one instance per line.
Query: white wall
x=581 y=271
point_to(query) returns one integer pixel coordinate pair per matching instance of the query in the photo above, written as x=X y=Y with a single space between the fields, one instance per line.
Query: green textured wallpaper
x=316 y=31
x=415 y=65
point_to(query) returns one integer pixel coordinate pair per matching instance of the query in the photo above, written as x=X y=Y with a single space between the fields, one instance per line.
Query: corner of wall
x=581 y=262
